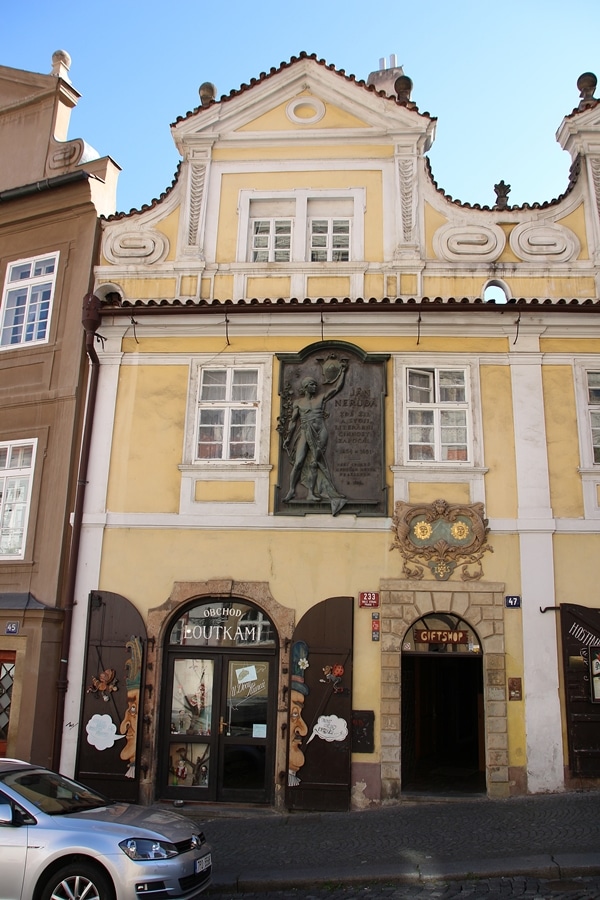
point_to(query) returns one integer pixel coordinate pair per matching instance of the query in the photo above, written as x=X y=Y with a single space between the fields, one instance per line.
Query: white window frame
x=227 y=405
x=272 y=250
x=588 y=469
x=41 y=314
x=329 y=248
x=300 y=250
x=437 y=406
x=194 y=469
x=9 y=476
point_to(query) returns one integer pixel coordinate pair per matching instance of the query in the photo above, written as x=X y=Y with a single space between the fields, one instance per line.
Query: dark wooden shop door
x=319 y=730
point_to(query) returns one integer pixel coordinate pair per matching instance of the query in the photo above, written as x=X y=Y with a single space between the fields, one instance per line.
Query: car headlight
x=141 y=848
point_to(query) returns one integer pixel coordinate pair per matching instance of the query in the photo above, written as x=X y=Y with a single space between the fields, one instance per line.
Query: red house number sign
x=368 y=599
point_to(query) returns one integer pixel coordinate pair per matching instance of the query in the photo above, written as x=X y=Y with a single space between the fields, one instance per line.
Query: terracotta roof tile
x=286 y=65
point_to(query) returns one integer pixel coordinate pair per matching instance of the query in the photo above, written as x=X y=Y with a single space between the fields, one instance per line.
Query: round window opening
x=441 y=633
x=305 y=110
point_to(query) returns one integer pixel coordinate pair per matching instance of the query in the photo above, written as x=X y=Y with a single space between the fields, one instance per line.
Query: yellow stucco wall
x=566 y=497
x=575 y=221
x=148 y=430
x=277 y=120
x=499 y=453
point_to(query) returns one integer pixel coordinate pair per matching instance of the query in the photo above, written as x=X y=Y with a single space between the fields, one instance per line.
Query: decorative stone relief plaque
x=331 y=428
x=441 y=536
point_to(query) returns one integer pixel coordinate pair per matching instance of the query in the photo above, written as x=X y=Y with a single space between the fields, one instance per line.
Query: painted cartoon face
x=298 y=731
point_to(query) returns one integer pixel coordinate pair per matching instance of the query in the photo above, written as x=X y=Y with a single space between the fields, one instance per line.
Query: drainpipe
x=90 y=321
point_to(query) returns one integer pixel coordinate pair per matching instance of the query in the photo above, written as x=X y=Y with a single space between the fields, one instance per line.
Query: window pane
x=420 y=386
x=319 y=226
x=420 y=451
x=452 y=387
x=261 y=241
x=341 y=240
x=45 y=266
x=242 y=434
x=245 y=385
x=262 y=227
x=341 y=226
x=214 y=384
x=318 y=256
x=18 y=273
x=340 y=255
x=595 y=423
x=210 y=434
x=594 y=387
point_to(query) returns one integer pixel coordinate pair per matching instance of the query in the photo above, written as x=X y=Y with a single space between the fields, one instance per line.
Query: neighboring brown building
x=52 y=192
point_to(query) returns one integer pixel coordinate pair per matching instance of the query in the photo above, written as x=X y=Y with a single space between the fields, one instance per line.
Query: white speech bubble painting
x=102 y=732
x=330 y=728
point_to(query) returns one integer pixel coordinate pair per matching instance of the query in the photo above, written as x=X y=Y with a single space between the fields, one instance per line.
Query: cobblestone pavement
x=535 y=846
x=487 y=888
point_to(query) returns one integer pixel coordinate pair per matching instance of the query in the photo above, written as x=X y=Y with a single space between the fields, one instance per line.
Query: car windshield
x=52 y=793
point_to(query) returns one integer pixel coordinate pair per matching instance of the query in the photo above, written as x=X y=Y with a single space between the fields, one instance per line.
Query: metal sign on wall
x=331 y=427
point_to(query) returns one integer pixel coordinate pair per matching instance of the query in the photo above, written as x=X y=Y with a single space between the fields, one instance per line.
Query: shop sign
x=423 y=636
x=368 y=599
x=218 y=624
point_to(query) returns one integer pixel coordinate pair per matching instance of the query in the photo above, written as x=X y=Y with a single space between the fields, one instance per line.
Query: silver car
x=61 y=841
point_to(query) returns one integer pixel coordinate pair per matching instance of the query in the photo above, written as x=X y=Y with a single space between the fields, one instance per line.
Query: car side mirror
x=6 y=814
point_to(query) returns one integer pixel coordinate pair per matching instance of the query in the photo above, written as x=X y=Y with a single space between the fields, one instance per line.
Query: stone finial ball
x=207 y=92
x=586 y=84
x=61 y=56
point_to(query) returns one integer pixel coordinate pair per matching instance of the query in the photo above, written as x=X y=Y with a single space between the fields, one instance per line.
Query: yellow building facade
x=344 y=489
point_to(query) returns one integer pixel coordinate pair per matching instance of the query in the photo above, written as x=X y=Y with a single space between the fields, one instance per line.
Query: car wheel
x=78 y=881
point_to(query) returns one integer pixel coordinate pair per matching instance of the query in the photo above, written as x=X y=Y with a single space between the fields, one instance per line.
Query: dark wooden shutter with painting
x=580 y=628
x=109 y=746
x=321 y=677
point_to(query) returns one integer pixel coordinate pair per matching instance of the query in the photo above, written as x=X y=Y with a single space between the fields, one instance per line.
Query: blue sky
x=499 y=76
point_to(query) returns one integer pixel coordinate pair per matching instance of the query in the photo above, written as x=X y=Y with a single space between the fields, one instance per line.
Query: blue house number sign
x=512 y=601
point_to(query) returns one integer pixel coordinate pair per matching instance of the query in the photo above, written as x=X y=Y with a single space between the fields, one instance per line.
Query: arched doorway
x=442 y=746
x=219 y=703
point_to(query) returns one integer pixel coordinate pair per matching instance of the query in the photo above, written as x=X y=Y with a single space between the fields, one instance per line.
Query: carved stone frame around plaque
x=440 y=536
x=331 y=431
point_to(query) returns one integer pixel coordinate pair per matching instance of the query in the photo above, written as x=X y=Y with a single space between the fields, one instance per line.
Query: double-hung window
x=593 y=398
x=16 y=475
x=27 y=301
x=228 y=409
x=437 y=415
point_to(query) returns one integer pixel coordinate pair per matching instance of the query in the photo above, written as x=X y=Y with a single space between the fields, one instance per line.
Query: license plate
x=203 y=863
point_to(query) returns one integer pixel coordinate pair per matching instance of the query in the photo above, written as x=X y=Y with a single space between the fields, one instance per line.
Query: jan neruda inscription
x=331 y=430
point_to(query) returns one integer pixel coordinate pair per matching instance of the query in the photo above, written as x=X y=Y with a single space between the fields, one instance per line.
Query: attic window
x=305 y=110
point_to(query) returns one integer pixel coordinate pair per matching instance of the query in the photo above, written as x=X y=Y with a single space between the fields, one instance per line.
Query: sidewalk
x=544 y=836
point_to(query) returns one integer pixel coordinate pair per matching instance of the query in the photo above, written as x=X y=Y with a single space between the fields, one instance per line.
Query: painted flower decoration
x=303 y=663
